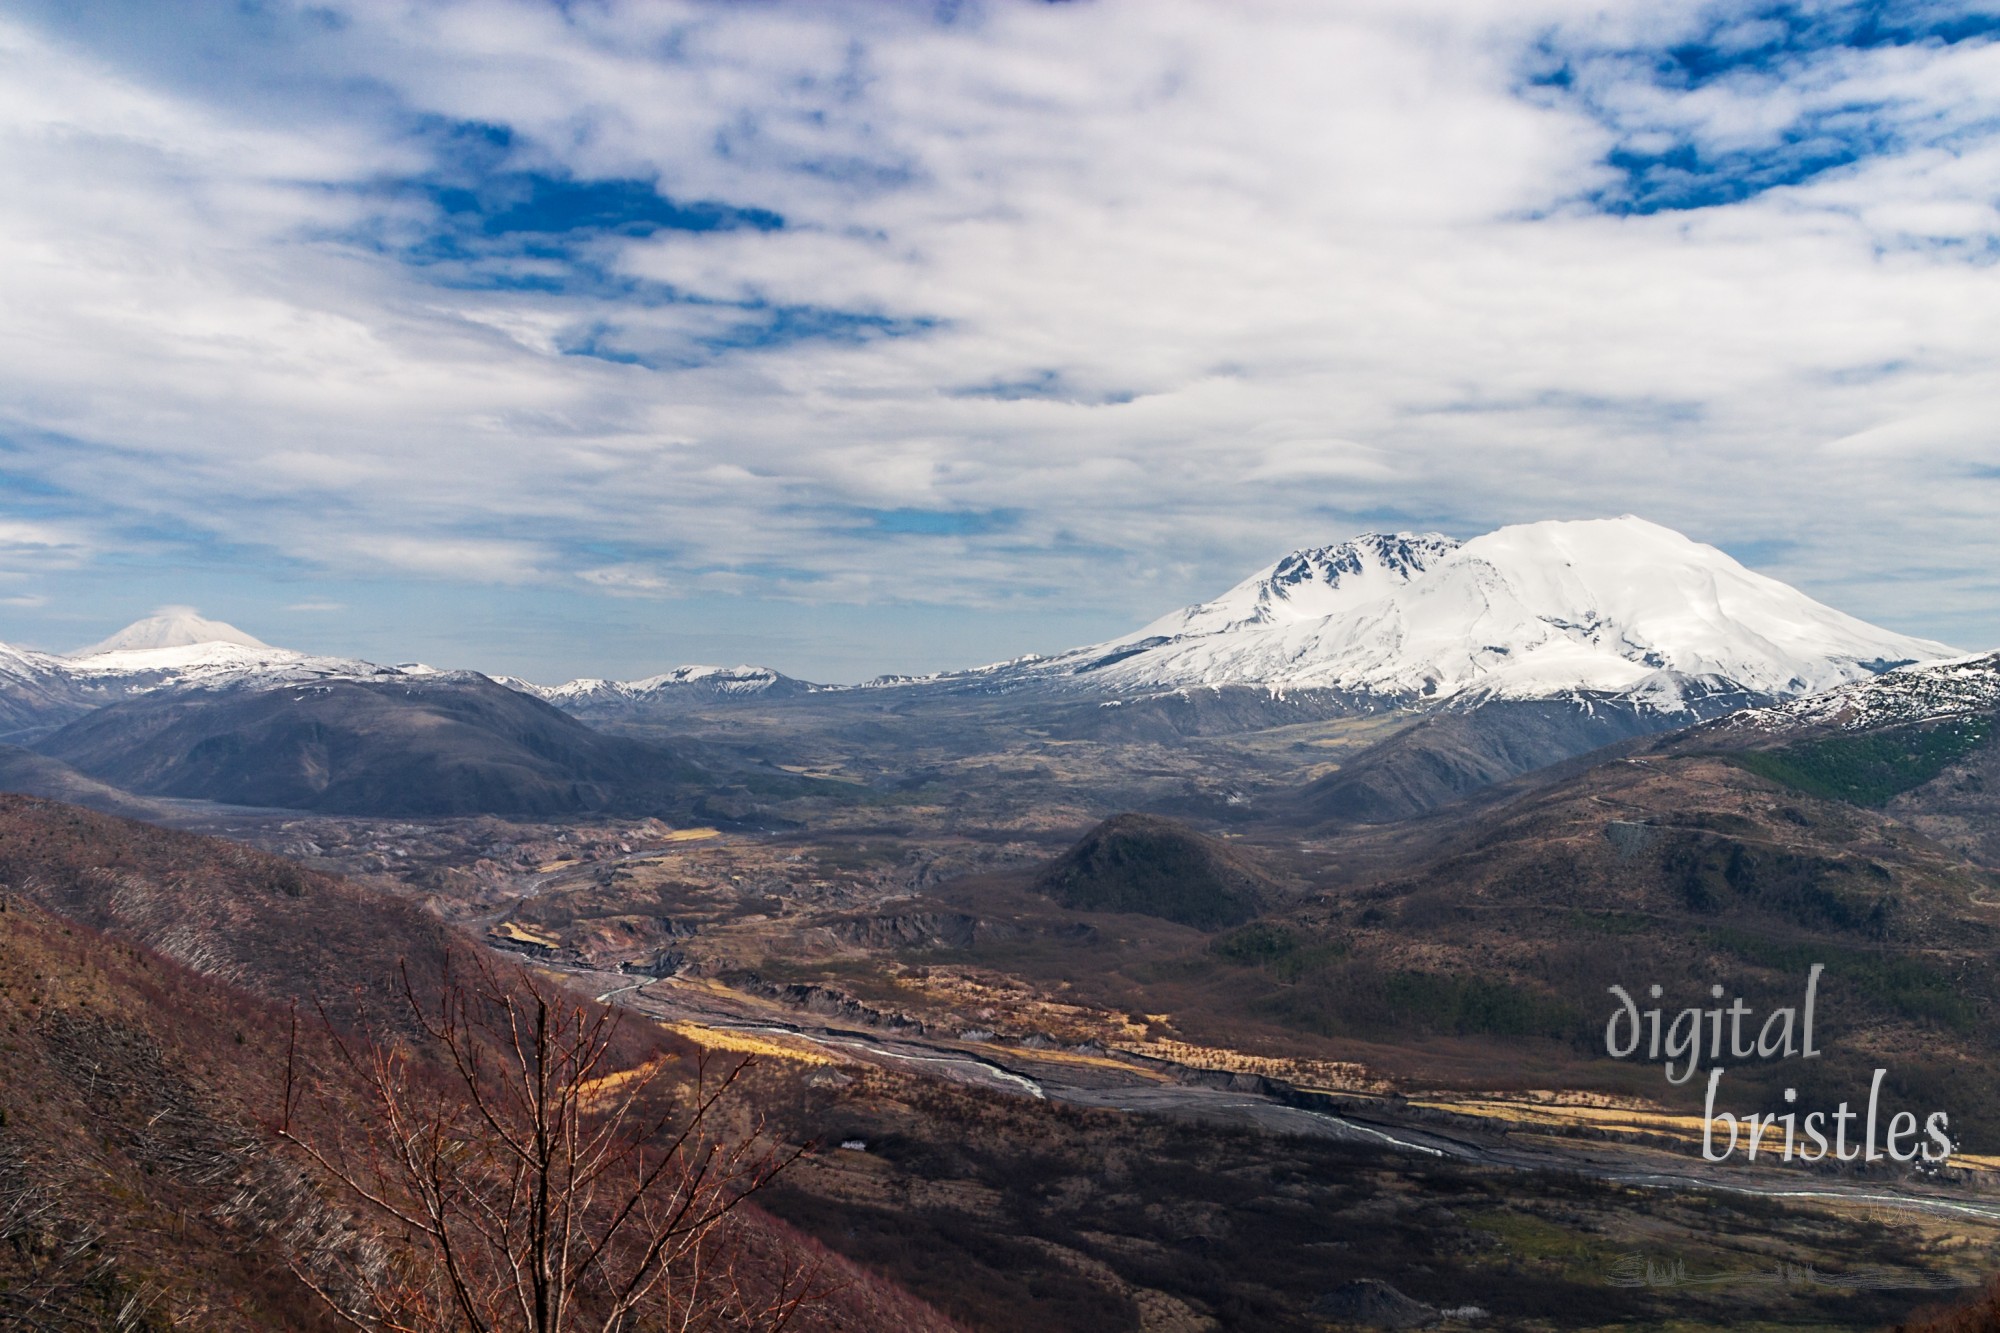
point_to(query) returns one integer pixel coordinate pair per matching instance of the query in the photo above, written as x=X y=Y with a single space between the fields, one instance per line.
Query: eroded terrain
x=1392 y=1071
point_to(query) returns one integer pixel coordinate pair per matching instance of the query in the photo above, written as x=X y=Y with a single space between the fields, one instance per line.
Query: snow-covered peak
x=1537 y=610
x=172 y=627
x=1313 y=584
x=741 y=679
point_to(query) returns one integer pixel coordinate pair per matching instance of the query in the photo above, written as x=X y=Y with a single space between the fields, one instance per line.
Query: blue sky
x=852 y=338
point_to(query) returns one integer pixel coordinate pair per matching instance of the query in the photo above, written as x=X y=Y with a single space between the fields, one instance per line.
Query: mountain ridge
x=1522 y=648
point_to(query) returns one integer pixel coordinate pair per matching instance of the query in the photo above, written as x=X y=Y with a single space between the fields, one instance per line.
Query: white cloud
x=627 y=581
x=31 y=544
x=471 y=559
x=1199 y=282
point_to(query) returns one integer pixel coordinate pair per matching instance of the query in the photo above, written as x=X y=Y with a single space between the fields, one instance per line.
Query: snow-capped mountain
x=665 y=693
x=175 y=652
x=1537 y=611
x=179 y=650
x=172 y=627
x=739 y=680
x=33 y=686
x=1618 y=610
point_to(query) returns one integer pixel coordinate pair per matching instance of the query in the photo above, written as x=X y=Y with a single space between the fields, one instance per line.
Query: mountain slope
x=166 y=654
x=1921 y=744
x=426 y=746
x=36 y=691
x=1667 y=864
x=1453 y=753
x=32 y=774
x=145 y=1003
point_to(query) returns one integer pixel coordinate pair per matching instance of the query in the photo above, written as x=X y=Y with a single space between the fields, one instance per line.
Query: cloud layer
x=1061 y=313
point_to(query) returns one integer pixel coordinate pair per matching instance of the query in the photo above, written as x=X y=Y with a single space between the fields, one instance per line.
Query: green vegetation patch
x=1258 y=942
x=1354 y=998
x=1279 y=949
x=1819 y=892
x=1869 y=769
x=1476 y=1006
x=1908 y=986
x=1524 y=1236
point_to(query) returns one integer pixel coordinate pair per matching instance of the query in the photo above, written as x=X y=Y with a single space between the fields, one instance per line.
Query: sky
x=591 y=338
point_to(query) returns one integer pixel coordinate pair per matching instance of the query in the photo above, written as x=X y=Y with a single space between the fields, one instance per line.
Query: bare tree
x=520 y=1181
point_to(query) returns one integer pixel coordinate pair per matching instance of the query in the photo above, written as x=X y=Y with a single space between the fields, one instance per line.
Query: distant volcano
x=173 y=627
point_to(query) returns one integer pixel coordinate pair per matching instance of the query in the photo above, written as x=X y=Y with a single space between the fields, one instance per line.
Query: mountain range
x=1516 y=649
x=1619 y=607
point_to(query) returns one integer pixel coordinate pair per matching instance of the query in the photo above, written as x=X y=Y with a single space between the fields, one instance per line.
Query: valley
x=1117 y=1001
x=903 y=944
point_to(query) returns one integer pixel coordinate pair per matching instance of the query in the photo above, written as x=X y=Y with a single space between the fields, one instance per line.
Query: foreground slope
x=137 y=1189
x=146 y=978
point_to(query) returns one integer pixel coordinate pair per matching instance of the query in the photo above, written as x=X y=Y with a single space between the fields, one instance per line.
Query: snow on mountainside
x=687 y=684
x=163 y=655
x=1960 y=687
x=209 y=666
x=180 y=650
x=1536 y=611
x=22 y=664
x=721 y=680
